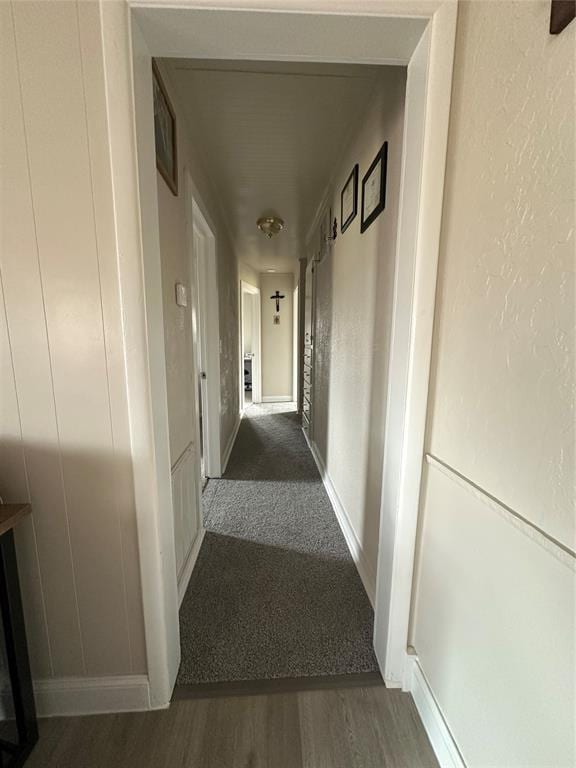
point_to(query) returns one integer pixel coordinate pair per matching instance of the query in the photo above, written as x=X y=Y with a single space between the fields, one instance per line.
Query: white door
x=204 y=279
x=200 y=345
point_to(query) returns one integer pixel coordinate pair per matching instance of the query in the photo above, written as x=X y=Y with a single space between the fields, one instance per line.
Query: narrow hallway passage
x=275 y=592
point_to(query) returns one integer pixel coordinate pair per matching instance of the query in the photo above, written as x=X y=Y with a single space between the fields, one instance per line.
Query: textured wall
x=175 y=268
x=354 y=285
x=493 y=620
x=64 y=435
x=247 y=322
x=495 y=630
x=180 y=372
x=506 y=300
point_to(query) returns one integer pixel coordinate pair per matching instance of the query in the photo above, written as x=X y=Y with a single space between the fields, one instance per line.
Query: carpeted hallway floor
x=274 y=592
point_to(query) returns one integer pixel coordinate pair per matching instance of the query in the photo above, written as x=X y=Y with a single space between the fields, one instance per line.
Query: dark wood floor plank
x=324 y=731
x=336 y=728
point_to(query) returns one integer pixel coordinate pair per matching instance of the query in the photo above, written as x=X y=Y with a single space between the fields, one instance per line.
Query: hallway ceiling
x=271 y=134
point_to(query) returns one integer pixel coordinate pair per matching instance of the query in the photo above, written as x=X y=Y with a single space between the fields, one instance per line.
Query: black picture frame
x=381 y=160
x=562 y=12
x=352 y=179
x=164 y=132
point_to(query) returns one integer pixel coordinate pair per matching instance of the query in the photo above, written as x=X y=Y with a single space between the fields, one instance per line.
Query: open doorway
x=430 y=120
x=256 y=531
x=250 y=354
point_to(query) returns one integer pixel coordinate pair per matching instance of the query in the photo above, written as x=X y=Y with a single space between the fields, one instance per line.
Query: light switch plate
x=181 y=295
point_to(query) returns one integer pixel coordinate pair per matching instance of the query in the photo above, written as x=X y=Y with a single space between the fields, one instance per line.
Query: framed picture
x=164 y=132
x=374 y=188
x=349 y=200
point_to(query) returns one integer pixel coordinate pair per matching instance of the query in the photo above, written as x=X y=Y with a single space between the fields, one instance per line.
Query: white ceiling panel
x=271 y=134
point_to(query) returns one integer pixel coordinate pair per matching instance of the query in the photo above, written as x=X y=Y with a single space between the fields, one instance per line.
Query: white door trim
x=128 y=91
x=295 y=341
x=427 y=110
x=254 y=292
x=206 y=274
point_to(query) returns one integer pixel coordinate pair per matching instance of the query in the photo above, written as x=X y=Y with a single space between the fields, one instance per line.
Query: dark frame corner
x=171 y=179
x=381 y=157
x=354 y=179
x=562 y=12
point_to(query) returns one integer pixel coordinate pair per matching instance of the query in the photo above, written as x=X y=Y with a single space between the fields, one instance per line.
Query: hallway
x=275 y=592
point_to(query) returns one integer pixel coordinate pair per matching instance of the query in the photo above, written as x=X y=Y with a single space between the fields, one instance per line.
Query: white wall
x=180 y=369
x=354 y=286
x=276 y=339
x=247 y=322
x=173 y=218
x=64 y=433
x=248 y=274
x=493 y=620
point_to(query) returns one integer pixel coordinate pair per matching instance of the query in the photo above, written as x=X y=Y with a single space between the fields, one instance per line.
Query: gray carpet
x=274 y=592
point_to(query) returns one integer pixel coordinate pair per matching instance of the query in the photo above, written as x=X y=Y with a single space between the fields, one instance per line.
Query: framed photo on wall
x=374 y=188
x=349 y=200
x=164 y=132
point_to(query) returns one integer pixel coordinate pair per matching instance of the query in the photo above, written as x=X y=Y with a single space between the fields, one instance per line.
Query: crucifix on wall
x=276 y=297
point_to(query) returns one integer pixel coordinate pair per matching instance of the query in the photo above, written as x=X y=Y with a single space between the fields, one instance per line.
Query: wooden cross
x=277 y=296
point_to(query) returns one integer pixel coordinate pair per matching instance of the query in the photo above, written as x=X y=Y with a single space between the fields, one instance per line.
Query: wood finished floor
x=340 y=728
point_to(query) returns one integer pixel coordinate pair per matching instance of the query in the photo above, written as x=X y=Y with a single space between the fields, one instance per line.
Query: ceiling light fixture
x=270 y=225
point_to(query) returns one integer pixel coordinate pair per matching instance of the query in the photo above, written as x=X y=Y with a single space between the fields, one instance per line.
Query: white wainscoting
x=186 y=506
x=365 y=571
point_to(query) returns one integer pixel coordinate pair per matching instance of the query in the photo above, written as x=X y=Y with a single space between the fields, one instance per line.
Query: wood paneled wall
x=64 y=433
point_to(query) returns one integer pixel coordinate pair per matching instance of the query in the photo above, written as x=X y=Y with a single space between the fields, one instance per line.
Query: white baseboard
x=277 y=399
x=365 y=571
x=91 y=695
x=188 y=567
x=443 y=743
x=231 y=441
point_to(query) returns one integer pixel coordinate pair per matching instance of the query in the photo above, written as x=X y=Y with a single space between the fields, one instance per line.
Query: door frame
x=254 y=293
x=127 y=85
x=295 y=342
x=205 y=305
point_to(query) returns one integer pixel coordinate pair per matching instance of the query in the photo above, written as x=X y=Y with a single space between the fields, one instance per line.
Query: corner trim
x=188 y=567
x=365 y=572
x=230 y=443
x=92 y=695
x=436 y=727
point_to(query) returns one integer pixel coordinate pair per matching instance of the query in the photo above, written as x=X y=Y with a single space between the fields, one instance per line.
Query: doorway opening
x=250 y=353
x=429 y=59
x=251 y=520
